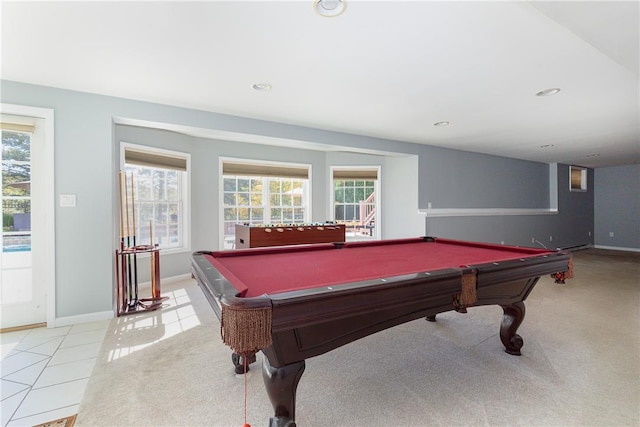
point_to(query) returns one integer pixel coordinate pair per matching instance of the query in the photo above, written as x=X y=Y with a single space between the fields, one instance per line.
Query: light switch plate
x=67 y=200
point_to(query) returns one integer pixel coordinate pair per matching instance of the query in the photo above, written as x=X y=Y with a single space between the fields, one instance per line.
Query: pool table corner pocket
x=246 y=329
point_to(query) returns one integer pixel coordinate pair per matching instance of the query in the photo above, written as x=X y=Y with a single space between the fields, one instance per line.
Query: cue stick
x=135 y=256
x=126 y=202
x=119 y=257
x=153 y=277
x=118 y=282
x=121 y=207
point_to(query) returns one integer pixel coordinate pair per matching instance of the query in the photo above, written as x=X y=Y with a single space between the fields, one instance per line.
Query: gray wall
x=86 y=164
x=574 y=223
x=617 y=207
x=459 y=179
x=571 y=227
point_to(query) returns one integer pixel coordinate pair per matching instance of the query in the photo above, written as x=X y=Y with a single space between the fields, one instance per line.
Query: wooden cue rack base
x=127 y=278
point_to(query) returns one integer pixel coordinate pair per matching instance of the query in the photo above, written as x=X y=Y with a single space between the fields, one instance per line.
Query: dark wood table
x=297 y=302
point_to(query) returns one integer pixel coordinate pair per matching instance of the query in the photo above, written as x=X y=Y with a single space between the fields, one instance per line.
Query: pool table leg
x=281 y=384
x=238 y=361
x=511 y=320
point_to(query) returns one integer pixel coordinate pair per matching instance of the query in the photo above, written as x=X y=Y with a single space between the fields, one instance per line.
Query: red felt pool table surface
x=280 y=269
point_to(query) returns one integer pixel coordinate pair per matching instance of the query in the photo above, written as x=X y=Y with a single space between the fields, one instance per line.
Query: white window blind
x=154 y=159
x=355 y=174
x=17 y=127
x=267 y=170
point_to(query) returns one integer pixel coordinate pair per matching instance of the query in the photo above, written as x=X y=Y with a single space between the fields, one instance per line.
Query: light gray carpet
x=580 y=365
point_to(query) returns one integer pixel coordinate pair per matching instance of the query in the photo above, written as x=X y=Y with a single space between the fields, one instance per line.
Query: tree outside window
x=158 y=206
x=16 y=190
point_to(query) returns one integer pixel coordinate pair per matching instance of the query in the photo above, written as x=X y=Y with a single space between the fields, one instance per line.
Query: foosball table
x=257 y=236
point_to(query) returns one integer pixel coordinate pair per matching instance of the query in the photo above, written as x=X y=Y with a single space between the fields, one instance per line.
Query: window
x=263 y=193
x=286 y=201
x=16 y=187
x=354 y=201
x=577 y=178
x=157 y=182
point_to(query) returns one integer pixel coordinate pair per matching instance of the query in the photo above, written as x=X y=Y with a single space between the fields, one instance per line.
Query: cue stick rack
x=127 y=258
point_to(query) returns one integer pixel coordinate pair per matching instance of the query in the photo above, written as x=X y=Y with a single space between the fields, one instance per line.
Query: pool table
x=297 y=302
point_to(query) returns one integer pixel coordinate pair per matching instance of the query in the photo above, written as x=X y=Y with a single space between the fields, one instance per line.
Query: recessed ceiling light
x=548 y=92
x=441 y=124
x=329 y=8
x=263 y=87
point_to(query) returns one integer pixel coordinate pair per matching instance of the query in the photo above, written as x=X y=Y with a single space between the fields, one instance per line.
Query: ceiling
x=388 y=69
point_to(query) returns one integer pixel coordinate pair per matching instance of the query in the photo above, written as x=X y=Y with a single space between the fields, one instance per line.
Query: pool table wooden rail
x=307 y=323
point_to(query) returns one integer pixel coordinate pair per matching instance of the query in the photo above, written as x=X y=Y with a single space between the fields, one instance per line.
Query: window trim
x=260 y=164
x=186 y=188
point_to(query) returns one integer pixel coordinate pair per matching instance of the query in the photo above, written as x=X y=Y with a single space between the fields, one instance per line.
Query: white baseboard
x=81 y=318
x=616 y=248
x=106 y=315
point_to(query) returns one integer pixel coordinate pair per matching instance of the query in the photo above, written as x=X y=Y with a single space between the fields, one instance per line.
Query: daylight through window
x=263 y=194
x=16 y=187
x=159 y=181
x=354 y=201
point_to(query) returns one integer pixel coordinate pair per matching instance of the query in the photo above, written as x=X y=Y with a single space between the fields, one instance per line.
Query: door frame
x=43 y=119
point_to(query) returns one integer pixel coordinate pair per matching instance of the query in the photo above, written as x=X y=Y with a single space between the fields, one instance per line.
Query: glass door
x=22 y=303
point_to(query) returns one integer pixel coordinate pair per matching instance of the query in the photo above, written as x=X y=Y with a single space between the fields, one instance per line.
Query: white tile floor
x=44 y=372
